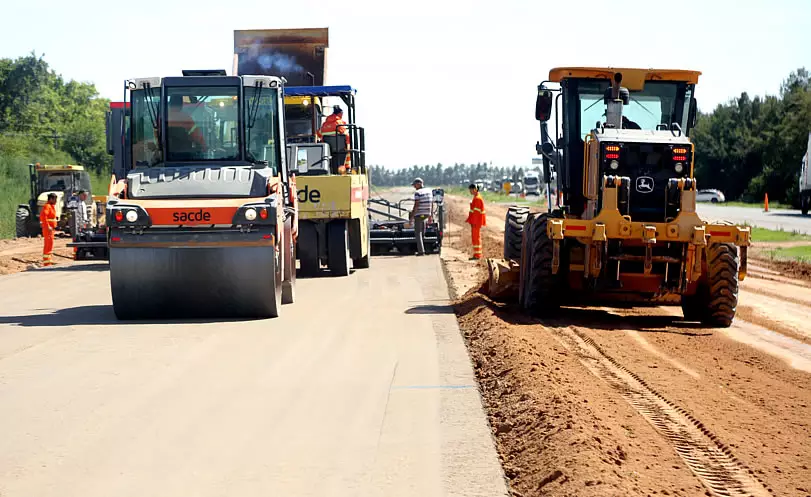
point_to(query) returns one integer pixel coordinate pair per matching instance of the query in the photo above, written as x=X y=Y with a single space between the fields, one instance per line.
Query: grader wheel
x=513 y=229
x=716 y=300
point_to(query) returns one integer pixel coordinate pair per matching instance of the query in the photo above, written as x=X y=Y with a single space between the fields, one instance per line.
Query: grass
x=772 y=205
x=766 y=235
x=801 y=253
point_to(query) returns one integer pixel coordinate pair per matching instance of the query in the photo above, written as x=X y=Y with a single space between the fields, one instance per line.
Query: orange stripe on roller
x=192 y=216
x=575 y=228
x=720 y=233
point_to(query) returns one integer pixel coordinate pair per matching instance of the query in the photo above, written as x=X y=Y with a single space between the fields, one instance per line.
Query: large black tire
x=22 y=221
x=513 y=228
x=289 y=258
x=338 y=248
x=716 y=298
x=308 y=248
x=525 y=261
x=542 y=291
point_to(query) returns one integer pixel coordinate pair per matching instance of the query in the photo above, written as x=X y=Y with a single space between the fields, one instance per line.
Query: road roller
x=202 y=215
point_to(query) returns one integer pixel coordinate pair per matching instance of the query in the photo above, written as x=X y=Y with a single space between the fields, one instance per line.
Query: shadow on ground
x=430 y=309
x=95 y=315
x=595 y=319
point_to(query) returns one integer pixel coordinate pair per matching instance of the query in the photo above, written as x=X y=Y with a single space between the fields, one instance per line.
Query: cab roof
x=318 y=91
x=632 y=78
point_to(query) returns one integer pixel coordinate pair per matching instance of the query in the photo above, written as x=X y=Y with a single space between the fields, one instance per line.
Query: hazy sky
x=438 y=81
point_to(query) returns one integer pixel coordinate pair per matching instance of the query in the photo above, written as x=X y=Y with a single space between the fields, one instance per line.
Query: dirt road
x=362 y=388
x=604 y=401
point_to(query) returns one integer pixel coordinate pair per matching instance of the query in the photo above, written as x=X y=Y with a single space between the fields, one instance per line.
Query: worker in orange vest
x=334 y=125
x=47 y=219
x=476 y=219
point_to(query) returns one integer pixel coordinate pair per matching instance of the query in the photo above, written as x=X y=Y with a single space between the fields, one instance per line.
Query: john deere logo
x=644 y=184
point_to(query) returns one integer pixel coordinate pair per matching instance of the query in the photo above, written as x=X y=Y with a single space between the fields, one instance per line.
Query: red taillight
x=115 y=239
x=267 y=237
x=680 y=157
x=119 y=216
x=612 y=156
x=263 y=213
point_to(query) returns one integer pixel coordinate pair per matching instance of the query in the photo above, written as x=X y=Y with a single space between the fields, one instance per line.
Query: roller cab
x=202 y=221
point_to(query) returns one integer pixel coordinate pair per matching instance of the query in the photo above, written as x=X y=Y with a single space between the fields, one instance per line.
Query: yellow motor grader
x=624 y=225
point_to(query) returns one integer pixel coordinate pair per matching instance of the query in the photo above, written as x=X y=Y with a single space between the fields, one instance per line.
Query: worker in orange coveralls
x=333 y=126
x=476 y=219
x=47 y=218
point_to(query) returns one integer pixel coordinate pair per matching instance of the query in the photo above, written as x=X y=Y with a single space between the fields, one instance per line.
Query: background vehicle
x=333 y=204
x=332 y=178
x=805 y=180
x=203 y=219
x=395 y=232
x=625 y=227
x=532 y=183
x=64 y=181
x=713 y=196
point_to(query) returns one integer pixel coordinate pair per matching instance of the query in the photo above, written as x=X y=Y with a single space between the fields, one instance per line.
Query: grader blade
x=502 y=279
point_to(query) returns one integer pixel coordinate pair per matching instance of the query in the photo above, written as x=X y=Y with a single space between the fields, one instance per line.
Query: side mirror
x=693 y=115
x=543 y=105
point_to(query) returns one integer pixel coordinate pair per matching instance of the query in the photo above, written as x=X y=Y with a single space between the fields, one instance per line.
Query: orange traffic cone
x=766 y=203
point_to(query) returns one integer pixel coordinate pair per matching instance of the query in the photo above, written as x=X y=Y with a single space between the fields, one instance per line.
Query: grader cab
x=624 y=225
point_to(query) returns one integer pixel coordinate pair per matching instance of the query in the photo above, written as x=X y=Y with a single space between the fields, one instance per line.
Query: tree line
x=436 y=175
x=746 y=147
x=44 y=116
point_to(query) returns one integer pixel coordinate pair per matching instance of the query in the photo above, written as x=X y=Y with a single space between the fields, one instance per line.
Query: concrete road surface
x=362 y=388
x=775 y=219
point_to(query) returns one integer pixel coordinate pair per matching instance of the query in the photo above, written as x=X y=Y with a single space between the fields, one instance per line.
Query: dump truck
x=63 y=180
x=332 y=178
x=805 y=180
x=625 y=226
x=202 y=221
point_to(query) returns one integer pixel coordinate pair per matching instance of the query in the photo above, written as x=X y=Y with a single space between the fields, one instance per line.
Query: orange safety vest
x=477 y=216
x=47 y=216
x=333 y=125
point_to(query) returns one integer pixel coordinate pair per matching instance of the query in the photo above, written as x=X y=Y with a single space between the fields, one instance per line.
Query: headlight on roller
x=614 y=165
x=132 y=216
x=679 y=167
x=250 y=214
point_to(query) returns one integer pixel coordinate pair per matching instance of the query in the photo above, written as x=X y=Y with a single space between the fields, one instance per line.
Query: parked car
x=713 y=196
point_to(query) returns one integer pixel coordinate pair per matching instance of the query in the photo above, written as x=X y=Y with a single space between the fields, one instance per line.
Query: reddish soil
x=565 y=427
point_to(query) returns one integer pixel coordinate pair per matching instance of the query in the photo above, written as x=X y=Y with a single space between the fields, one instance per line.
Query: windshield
x=70 y=182
x=55 y=182
x=202 y=123
x=262 y=125
x=530 y=180
x=145 y=147
x=660 y=103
